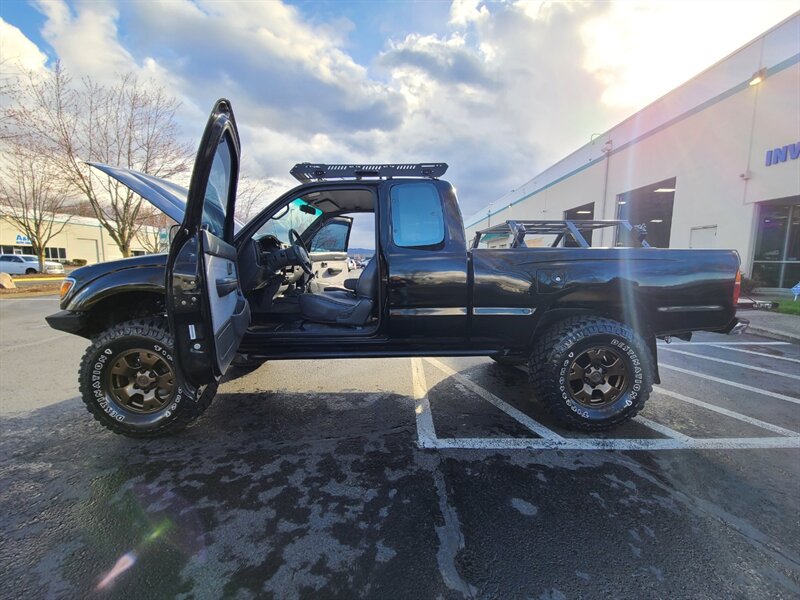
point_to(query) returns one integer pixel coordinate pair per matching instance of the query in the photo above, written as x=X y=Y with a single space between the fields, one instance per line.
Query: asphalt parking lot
x=403 y=478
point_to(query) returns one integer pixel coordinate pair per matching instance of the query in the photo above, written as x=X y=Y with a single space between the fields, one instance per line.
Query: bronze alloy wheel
x=141 y=381
x=598 y=377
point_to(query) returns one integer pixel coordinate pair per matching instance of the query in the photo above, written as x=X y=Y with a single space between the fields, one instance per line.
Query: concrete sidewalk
x=772 y=324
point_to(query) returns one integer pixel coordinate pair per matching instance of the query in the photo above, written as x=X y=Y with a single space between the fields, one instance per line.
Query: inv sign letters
x=776 y=155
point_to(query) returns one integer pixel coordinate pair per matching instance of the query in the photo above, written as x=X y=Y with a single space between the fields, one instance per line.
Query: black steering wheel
x=301 y=251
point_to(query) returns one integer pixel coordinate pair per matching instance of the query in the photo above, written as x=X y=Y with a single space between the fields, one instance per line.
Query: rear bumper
x=737 y=326
x=65 y=320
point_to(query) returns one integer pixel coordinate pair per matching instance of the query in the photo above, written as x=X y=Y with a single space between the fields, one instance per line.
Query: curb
x=777 y=335
x=51 y=278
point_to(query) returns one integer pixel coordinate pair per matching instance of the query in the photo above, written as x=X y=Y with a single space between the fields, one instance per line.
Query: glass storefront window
x=777 y=254
x=793 y=243
x=772 y=224
x=767 y=274
x=791 y=274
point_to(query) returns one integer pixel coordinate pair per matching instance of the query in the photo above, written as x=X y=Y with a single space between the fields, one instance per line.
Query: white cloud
x=86 y=40
x=463 y=12
x=500 y=92
x=17 y=51
x=642 y=50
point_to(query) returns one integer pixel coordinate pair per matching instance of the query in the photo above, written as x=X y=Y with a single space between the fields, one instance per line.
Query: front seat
x=344 y=307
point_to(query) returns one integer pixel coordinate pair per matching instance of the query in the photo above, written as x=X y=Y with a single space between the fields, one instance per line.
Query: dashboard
x=267 y=263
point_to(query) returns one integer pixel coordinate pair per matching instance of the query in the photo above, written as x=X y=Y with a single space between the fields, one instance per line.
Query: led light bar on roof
x=305 y=172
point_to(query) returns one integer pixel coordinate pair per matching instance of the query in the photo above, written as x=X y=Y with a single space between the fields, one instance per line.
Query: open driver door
x=207 y=311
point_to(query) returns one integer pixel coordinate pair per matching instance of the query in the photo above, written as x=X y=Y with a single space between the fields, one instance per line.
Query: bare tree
x=128 y=124
x=31 y=197
x=252 y=195
x=153 y=223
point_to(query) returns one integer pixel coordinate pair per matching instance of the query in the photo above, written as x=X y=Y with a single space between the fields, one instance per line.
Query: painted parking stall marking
x=547 y=439
x=754 y=352
x=735 y=384
x=732 y=363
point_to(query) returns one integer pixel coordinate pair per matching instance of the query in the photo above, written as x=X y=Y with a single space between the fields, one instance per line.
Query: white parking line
x=733 y=364
x=741 y=386
x=724 y=343
x=549 y=440
x=426 y=433
x=520 y=416
x=617 y=444
x=795 y=360
x=662 y=429
x=726 y=412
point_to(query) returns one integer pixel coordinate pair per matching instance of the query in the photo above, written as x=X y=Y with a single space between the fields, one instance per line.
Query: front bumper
x=66 y=320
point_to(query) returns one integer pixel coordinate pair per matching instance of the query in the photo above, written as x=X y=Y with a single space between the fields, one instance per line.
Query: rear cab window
x=417 y=216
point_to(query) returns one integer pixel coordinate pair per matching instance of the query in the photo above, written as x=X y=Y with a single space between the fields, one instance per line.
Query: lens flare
x=125 y=562
x=162 y=528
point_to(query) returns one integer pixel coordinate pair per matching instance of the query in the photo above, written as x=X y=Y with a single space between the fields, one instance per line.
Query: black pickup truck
x=164 y=329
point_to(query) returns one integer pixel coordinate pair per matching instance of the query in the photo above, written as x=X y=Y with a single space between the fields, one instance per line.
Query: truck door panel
x=428 y=276
x=504 y=298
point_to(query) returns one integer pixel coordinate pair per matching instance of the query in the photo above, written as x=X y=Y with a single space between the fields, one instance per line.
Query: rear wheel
x=592 y=373
x=128 y=381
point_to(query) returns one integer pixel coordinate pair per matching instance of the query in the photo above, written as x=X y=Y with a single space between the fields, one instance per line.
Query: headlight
x=66 y=286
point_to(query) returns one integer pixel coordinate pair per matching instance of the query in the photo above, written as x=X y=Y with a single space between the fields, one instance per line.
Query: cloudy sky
x=499 y=90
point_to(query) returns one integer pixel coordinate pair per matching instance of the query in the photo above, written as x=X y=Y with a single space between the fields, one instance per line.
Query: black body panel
x=450 y=301
x=428 y=292
x=658 y=291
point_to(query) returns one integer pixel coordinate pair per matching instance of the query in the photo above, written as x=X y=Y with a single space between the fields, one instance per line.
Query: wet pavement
x=311 y=480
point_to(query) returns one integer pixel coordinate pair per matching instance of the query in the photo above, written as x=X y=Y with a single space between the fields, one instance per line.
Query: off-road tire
x=561 y=344
x=150 y=335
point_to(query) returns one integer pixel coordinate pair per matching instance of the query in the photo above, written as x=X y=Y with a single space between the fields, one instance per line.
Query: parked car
x=27 y=264
x=164 y=329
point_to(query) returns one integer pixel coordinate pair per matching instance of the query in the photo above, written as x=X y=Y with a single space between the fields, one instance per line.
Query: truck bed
x=664 y=291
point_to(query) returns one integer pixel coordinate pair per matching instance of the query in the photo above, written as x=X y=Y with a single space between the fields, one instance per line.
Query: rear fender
x=636 y=319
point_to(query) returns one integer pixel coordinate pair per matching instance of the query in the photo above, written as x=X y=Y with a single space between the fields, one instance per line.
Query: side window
x=218 y=190
x=331 y=238
x=417 y=218
x=5 y=258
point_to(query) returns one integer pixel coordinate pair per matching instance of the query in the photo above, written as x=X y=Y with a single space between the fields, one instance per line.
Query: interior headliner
x=342 y=200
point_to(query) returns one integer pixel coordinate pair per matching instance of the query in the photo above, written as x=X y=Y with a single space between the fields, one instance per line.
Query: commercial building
x=714 y=163
x=83 y=238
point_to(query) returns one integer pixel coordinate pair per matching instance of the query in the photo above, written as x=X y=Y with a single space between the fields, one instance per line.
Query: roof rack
x=573 y=229
x=305 y=172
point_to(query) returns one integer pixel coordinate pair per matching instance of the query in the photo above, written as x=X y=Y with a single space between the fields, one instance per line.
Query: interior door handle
x=226 y=285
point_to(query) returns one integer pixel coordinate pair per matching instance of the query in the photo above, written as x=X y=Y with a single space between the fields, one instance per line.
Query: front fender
x=139 y=279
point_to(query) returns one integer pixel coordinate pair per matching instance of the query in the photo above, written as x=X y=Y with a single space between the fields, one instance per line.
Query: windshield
x=298 y=215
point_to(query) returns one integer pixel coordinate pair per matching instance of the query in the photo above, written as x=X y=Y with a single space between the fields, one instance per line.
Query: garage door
x=86 y=249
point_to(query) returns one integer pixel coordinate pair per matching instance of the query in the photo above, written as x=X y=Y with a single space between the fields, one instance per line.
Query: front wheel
x=592 y=373
x=30 y=271
x=128 y=381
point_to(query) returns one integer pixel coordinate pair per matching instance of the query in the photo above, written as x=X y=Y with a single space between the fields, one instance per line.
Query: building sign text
x=776 y=155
